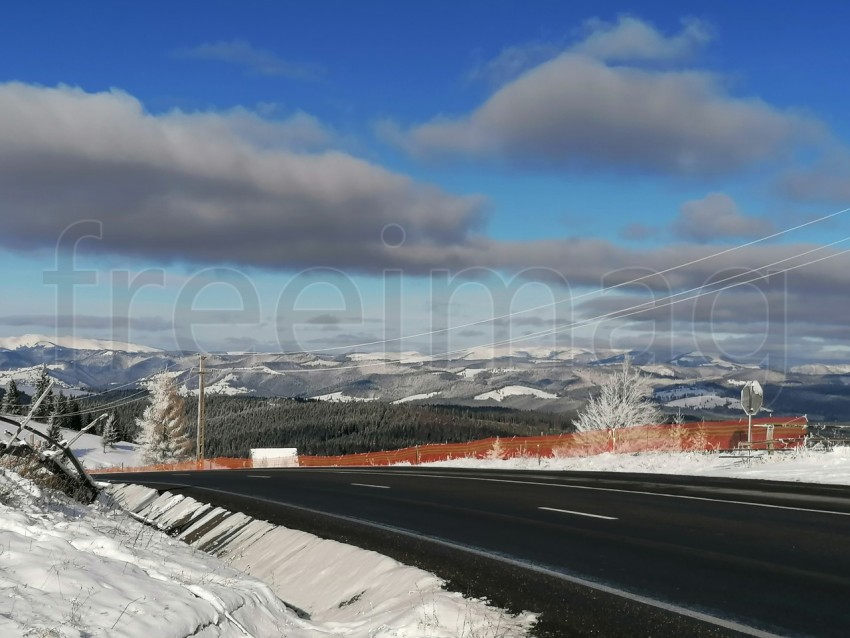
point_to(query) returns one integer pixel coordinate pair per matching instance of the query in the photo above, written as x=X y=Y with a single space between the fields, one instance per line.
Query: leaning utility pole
x=201 y=374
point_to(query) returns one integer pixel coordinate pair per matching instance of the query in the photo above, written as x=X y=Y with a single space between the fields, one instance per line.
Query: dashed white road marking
x=555 y=509
x=380 y=487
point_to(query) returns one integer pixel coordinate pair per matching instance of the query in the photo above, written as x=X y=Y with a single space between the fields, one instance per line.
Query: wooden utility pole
x=201 y=423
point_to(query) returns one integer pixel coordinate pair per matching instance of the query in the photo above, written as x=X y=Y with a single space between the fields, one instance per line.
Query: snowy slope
x=73 y=570
x=88 y=448
x=339 y=397
x=514 y=390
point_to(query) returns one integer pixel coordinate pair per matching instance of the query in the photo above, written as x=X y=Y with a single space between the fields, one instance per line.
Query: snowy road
x=756 y=557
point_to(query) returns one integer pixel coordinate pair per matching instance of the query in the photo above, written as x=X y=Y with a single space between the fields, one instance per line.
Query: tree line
x=64 y=411
x=234 y=425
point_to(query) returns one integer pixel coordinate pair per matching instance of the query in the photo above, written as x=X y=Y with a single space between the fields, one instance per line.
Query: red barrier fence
x=717 y=435
x=787 y=432
x=219 y=463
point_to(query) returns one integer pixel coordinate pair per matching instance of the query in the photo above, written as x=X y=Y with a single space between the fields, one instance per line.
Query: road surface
x=596 y=553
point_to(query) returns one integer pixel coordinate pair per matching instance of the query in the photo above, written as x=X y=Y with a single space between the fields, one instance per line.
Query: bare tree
x=623 y=401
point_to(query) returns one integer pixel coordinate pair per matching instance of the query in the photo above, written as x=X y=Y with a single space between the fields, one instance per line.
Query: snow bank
x=73 y=570
x=343 y=590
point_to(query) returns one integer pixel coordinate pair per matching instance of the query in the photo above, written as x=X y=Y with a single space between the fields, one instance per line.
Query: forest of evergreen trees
x=237 y=424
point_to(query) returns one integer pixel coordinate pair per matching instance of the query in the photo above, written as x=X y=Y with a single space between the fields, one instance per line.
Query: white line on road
x=257 y=476
x=608 y=489
x=182 y=474
x=554 y=509
x=380 y=487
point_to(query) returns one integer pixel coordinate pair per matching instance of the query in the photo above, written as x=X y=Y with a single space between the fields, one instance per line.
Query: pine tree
x=53 y=430
x=60 y=407
x=75 y=417
x=109 y=437
x=12 y=399
x=45 y=408
x=162 y=426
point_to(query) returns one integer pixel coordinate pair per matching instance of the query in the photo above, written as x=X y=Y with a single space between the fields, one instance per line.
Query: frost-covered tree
x=109 y=435
x=623 y=401
x=12 y=399
x=46 y=407
x=162 y=426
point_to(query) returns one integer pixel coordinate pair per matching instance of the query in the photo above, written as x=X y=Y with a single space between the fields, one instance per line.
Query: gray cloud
x=254 y=60
x=638 y=232
x=578 y=111
x=202 y=188
x=716 y=216
x=826 y=181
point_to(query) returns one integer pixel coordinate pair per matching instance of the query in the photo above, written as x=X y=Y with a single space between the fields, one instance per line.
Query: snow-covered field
x=416 y=397
x=88 y=448
x=339 y=397
x=512 y=391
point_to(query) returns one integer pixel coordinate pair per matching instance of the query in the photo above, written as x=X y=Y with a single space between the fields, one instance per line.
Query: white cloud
x=631 y=39
x=579 y=110
x=254 y=60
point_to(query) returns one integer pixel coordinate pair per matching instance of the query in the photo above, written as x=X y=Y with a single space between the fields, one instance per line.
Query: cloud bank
x=208 y=187
x=598 y=105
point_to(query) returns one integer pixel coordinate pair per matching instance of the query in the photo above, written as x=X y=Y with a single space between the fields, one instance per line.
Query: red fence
x=219 y=463
x=787 y=432
x=716 y=435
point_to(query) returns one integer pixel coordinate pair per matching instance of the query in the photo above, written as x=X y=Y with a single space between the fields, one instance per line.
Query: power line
x=637 y=309
x=587 y=294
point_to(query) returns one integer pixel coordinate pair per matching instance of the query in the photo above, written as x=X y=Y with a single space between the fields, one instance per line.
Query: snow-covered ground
x=345 y=591
x=88 y=448
x=73 y=570
x=339 y=397
x=810 y=466
x=512 y=391
x=78 y=571
x=416 y=397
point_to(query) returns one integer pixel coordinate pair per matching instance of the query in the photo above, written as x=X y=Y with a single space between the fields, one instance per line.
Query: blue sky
x=564 y=146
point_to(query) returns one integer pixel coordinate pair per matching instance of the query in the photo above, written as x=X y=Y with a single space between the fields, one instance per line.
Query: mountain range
x=697 y=384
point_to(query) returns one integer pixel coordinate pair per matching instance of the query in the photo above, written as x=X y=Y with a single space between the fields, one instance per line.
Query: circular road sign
x=752 y=397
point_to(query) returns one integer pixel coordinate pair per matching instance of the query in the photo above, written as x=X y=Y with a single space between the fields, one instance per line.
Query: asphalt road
x=617 y=554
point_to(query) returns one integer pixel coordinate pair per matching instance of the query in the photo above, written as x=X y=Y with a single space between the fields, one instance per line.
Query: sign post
x=752 y=398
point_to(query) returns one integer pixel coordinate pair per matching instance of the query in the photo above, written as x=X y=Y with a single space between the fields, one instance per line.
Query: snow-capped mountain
x=525 y=378
x=75 y=343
